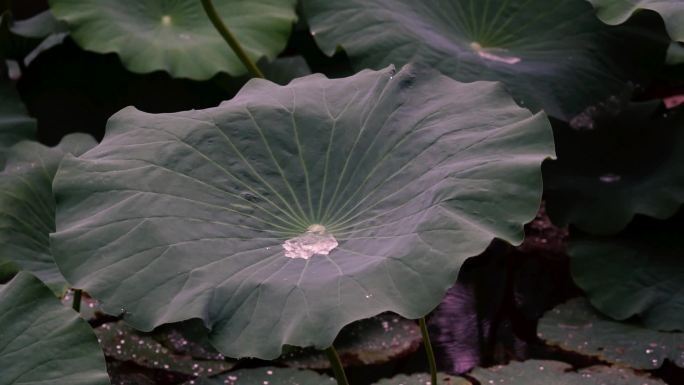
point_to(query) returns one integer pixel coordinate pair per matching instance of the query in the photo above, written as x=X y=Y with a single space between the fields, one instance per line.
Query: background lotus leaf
x=542 y=372
x=423 y=379
x=289 y=212
x=27 y=205
x=555 y=55
x=123 y=343
x=623 y=161
x=577 y=326
x=266 y=376
x=177 y=36
x=618 y=11
x=639 y=274
x=15 y=124
x=42 y=341
x=371 y=341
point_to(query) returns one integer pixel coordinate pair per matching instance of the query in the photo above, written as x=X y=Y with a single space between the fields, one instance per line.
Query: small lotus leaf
x=423 y=379
x=291 y=211
x=367 y=342
x=541 y=372
x=177 y=36
x=552 y=55
x=43 y=342
x=577 y=326
x=123 y=343
x=27 y=205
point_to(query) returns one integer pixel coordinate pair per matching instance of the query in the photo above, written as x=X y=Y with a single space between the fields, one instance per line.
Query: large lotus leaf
x=639 y=274
x=266 y=376
x=541 y=372
x=554 y=55
x=367 y=342
x=42 y=341
x=577 y=326
x=27 y=205
x=176 y=36
x=15 y=124
x=615 y=167
x=290 y=211
x=618 y=11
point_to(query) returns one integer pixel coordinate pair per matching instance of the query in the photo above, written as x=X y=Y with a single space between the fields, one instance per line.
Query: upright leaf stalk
x=428 y=350
x=230 y=39
x=336 y=366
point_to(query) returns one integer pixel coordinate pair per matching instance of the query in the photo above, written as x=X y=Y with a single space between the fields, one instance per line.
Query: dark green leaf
x=625 y=160
x=554 y=55
x=638 y=274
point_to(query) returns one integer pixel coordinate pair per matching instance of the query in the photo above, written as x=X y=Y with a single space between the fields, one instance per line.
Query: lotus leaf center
x=316 y=240
x=166 y=20
x=490 y=55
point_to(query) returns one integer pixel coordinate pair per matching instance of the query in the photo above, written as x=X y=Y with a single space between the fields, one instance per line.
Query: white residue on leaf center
x=493 y=57
x=316 y=240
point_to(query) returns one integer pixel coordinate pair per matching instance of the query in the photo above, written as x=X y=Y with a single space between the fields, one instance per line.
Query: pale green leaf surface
x=541 y=372
x=187 y=215
x=177 y=36
x=618 y=11
x=577 y=326
x=43 y=342
x=552 y=55
x=27 y=205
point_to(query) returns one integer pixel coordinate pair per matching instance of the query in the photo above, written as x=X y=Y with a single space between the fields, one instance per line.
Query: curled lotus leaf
x=288 y=212
x=615 y=12
x=43 y=342
x=552 y=55
x=177 y=36
x=27 y=205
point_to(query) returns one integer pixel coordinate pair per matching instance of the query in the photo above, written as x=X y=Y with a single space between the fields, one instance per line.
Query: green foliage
x=276 y=218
